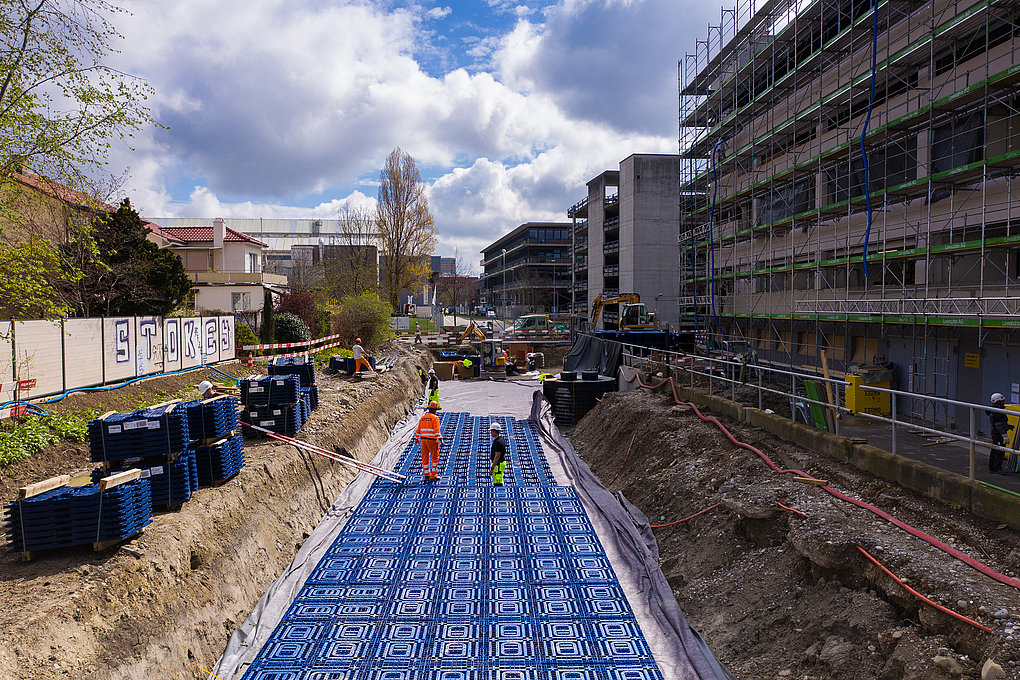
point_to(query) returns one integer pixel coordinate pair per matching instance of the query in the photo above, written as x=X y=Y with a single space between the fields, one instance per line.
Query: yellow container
x=860 y=400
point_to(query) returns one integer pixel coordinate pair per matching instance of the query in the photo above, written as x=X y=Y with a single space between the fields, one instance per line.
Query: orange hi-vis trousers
x=362 y=365
x=430 y=457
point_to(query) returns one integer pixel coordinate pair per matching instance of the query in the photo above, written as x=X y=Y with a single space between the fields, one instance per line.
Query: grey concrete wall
x=649 y=228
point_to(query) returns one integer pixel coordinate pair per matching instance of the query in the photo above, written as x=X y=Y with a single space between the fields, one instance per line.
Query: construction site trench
x=784 y=592
x=166 y=602
x=771 y=576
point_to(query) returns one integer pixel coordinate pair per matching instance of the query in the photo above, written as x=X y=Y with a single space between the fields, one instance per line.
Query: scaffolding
x=847 y=176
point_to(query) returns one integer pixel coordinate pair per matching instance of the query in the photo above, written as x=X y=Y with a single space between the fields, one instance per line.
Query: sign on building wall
x=54 y=356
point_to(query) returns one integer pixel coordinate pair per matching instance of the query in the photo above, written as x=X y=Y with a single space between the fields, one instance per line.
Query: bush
x=365 y=316
x=301 y=304
x=243 y=335
x=290 y=328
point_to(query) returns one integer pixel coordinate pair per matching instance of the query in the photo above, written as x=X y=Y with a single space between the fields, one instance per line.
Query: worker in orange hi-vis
x=429 y=439
x=360 y=362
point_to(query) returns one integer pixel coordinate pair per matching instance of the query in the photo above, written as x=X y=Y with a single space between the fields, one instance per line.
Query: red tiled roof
x=77 y=198
x=205 y=234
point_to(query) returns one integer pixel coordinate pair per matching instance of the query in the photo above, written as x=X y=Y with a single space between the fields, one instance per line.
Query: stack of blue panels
x=171 y=483
x=212 y=419
x=346 y=364
x=78 y=515
x=313 y=395
x=271 y=391
x=278 y=419
x=40 y=522
x=158 y=431
x=220 y=461
x=299 y=366
x=109 y=515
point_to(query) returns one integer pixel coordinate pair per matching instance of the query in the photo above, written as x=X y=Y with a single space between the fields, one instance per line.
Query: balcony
x=238 y=279
x=611 y=292
x=582 y=225
x=611 y=270
x=610 y=247
x=611 y=200
x=581 y=285
x=611 y=224
x=578 y=208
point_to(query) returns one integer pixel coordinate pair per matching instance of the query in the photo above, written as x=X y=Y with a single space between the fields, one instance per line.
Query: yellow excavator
x=634 y=314
x=486 y=347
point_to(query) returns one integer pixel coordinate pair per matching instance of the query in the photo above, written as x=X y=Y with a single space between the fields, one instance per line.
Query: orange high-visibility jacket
x=428 y=426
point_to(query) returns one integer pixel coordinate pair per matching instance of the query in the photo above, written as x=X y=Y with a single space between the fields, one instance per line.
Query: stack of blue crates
x=157 y=431
x=220 y=461
x=304 y=369
x=171 y=483
x=271 y=391
x=276 y=403
x=212 y=418
x=78 y=515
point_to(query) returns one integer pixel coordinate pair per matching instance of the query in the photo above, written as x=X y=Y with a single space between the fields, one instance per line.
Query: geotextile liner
x=623 y=530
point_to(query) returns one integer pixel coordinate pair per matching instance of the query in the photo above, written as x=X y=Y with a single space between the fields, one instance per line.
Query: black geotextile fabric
x=590 y=353
x=636 y=544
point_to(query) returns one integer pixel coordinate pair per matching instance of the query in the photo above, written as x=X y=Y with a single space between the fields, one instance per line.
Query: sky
x=288 y=108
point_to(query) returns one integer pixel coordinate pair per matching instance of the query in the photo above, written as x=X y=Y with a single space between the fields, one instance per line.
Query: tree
x=407 y=232
x=459 y=288
x=59 y=107
x=350 y=261
x=121 y=271
x=59 y=104
x=268 y=329
x=300 y=303
x=290 y=328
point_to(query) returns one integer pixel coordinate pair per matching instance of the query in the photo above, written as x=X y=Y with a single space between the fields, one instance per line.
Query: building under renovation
x=847 y=184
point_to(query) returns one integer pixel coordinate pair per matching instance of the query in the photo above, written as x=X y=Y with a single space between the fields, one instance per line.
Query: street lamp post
x=504 y=285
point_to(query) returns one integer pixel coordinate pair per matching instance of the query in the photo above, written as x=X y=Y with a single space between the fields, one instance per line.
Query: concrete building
x=623 y=232
x=225 y=265
x=281 y=235
x=527 y=270
x=864 y=210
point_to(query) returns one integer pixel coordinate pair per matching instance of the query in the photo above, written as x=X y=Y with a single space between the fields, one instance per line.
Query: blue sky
x=288 y=108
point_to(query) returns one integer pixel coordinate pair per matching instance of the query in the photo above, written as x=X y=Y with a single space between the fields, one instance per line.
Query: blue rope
x=711 y=239
x=867 y=121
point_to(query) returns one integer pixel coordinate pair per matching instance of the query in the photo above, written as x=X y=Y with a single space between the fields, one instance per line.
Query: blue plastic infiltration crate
x=460 y=580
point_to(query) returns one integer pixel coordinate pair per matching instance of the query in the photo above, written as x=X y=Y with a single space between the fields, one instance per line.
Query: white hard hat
x=998 y=397
x=495 y=427
x=204 y=386
x=432 y=371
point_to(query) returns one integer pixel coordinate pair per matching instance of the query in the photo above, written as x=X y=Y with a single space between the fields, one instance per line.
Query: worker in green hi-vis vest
x=497 y=454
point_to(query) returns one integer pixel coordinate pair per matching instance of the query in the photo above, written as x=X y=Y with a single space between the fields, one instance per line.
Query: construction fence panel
x=39 y=358
x=54 y=356
x=83 y=337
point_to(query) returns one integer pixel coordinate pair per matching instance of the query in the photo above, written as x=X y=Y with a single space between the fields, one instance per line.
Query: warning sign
x=972 y=360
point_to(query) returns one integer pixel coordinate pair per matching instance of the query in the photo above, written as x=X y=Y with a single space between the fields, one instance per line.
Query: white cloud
x=269 y=102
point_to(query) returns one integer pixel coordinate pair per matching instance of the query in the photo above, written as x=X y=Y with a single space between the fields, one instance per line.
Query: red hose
x=659 y=526
x=911 y=590
x=949 y=550
x=793 y=510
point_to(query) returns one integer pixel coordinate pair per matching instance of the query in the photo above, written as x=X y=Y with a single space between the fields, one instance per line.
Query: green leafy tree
x=60 y=106
x=365 y=316
x=122 y=272
x=268 y=330
x=407 y=231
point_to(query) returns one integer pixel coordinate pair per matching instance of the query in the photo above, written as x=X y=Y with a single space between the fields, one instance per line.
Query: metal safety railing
x=783 y=382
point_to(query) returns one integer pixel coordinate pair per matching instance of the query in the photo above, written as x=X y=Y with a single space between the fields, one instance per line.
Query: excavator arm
x=599 y=302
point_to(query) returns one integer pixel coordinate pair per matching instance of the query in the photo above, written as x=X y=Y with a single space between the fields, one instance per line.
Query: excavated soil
x=166 y=602
x=780 y=595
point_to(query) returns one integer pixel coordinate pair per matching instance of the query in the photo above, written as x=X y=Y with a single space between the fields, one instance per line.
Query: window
x=240 y=302
x=253 y=263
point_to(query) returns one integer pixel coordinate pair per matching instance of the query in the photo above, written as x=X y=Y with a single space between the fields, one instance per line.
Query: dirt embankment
x=780 y=595
x=170 y=598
